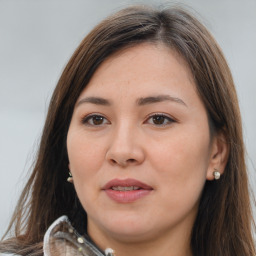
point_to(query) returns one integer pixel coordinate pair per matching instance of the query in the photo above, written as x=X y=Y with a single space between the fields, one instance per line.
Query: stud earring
x=70 y=178
x=216 y=174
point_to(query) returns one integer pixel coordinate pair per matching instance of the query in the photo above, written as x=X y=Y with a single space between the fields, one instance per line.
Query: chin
x=128 y=229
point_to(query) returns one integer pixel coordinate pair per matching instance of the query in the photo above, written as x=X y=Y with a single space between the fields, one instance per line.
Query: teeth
x=119 y=188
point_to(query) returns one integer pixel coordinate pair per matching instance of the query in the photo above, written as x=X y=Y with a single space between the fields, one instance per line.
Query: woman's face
x=139 y=146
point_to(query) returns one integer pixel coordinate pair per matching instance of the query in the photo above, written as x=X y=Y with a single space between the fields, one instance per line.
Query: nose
x=126 y=147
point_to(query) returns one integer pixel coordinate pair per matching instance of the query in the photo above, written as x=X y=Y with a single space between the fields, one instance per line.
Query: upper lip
x=126 y=183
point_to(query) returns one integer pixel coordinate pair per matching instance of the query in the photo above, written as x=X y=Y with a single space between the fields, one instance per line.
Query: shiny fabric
x=62 y=239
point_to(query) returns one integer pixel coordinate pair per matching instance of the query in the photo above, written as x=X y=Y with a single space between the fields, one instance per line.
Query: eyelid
x=170 y=118
x=86 y=118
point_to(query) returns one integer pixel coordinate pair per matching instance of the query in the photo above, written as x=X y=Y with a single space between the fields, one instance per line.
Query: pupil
x=97 y=120
x=158 y=119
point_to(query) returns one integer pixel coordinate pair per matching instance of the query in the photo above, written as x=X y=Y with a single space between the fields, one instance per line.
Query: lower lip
x=126 y=196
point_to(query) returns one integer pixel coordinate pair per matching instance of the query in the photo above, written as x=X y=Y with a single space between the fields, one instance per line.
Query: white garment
x=62 y=239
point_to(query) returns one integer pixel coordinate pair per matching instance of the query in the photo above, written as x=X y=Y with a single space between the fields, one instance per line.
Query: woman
x=142 y=148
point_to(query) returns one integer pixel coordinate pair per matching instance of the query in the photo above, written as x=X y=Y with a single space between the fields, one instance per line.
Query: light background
x=37 y=37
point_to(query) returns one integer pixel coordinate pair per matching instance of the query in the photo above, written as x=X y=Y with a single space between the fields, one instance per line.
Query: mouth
x=119 y=188
x=126 y=191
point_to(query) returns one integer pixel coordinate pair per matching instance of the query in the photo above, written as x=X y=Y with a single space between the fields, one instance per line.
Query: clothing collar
x=62 y=239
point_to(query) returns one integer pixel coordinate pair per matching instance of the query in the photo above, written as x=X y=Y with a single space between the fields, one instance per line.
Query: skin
x=175 y=157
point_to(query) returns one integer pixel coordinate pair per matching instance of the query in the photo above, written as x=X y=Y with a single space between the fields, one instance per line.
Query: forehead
x=144 y=68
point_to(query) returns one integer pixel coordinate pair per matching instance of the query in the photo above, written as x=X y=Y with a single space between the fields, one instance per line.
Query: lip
x=126 y=196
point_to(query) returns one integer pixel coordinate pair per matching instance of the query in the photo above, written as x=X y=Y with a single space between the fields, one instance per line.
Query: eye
x=94 y=120
x=160 y=120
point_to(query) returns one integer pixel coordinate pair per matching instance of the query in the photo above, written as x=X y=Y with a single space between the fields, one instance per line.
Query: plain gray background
x=37 y=37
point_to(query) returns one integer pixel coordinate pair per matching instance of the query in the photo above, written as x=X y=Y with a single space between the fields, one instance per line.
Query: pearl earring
x=70 y=178
x=216 y=174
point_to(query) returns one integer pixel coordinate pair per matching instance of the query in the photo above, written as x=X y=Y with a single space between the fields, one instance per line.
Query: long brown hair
x=223 y=226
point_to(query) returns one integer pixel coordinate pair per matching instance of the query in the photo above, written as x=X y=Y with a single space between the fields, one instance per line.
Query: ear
x=218 y=156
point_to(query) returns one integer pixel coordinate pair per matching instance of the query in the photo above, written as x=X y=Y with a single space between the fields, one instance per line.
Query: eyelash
x=87 y=119
x=167 y=120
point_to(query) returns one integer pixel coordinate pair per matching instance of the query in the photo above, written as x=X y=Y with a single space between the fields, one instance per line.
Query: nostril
x=131 y=160
x=123 y=163
x=113 y=161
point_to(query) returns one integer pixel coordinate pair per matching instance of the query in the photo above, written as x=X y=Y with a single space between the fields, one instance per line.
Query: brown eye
x=160 y=120
x=97 y=120
x=94 y=120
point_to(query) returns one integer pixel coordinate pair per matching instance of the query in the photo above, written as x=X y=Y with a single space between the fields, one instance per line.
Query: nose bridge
x=124 y=133
x=125 y=146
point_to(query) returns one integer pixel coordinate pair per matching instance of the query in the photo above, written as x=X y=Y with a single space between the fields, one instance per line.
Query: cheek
x=84 y=161
x=181 y=165
x=84 y=154
x=182 y=161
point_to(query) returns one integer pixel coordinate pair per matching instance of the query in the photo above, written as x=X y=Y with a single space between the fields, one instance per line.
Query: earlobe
x=70 y=177
x=219 y=157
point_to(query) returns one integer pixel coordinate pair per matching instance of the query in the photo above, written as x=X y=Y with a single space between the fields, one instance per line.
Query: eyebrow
x=159 y=98
x=94 y=100
x=139 y=102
